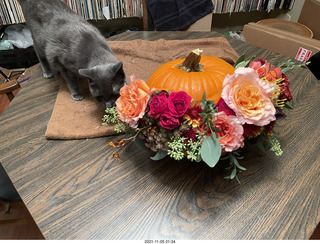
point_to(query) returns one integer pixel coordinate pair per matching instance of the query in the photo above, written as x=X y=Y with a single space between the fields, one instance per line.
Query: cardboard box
x=203 y=24
x=280 y=41
x=310 y=16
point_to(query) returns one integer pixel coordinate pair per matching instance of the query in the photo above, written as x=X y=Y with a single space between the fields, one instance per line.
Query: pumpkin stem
x=191 y=63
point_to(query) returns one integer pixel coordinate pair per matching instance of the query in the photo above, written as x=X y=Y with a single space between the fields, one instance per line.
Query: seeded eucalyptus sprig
x=111 y=118
x=289 y=64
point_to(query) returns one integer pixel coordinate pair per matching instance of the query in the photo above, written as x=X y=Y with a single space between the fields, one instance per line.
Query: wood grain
x=74 y=190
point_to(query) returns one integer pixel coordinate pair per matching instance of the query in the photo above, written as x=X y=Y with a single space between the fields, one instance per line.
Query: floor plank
x=18 y=224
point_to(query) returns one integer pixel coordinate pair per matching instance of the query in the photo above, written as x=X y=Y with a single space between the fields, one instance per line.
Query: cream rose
x=249 y=97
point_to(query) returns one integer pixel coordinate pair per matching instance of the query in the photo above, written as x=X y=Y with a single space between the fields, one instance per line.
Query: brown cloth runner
x=83 y=119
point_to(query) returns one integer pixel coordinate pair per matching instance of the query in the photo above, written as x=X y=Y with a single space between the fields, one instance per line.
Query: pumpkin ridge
x=169 y=77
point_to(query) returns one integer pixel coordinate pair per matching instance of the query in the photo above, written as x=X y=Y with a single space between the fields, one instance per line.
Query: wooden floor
x=316 y=234
x=16 y=223
x=4 y=100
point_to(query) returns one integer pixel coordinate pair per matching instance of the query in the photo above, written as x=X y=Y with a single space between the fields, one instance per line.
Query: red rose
x=158 y=105
x=168 y=121
x=178 y=103
x=222 y=106
x=252 y=130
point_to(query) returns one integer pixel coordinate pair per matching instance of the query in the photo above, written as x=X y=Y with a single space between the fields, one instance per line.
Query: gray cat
x=67 y=44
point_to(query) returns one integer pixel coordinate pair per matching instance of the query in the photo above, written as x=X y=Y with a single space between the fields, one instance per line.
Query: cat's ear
x=88 y=73
x=118 y=67
x=119 y=78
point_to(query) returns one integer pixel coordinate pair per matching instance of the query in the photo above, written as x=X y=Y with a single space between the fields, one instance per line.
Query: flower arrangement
x=175 y=125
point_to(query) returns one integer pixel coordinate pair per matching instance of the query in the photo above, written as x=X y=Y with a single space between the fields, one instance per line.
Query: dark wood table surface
x=74 y=190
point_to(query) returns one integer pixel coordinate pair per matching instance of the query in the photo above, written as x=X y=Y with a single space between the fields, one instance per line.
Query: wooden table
x=74 y=190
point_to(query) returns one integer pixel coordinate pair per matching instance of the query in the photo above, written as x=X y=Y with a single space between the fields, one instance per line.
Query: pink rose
x=158 y=105
x=168 y=121
x=178 y=103
x=222 y=106
x=249 y=97
x=231 y=133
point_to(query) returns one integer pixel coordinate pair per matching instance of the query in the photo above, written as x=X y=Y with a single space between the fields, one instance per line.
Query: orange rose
x=133 y=100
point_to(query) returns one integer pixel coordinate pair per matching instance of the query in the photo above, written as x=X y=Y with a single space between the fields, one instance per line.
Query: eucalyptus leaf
x=160 y=155
x=233 y=174
x=284 y=70
x=225 y=157
x=210 y=151
x=238 y=165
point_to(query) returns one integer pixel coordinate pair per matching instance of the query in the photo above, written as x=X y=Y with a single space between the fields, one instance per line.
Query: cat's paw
x=47 y=75
x=77 y=97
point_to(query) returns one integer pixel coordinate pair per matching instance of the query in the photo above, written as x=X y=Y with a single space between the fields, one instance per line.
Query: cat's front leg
x=46 y=70
x=73 y=85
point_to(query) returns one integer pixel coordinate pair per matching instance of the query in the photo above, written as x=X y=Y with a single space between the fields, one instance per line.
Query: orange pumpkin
x=195 y=75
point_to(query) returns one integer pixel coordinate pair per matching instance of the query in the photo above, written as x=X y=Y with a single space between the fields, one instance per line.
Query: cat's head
x=105 y=82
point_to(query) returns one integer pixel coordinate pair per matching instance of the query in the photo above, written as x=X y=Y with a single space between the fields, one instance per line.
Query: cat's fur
x=66 y=43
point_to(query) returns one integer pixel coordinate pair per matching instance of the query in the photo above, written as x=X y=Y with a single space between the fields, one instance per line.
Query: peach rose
x=260 y=66
x=231 y=131
x=249 y=97
x=133 y=100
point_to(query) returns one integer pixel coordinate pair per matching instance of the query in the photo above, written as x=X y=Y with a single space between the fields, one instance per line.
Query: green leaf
x=241 y=64
x=160 y=155
x=285 y=70
x=212 y=103
x=203 y=101
x=235 y=161
x=244 y=63
x=233 y=174
x=141 y=144
x=210 y=124
x=210 y=151
x=287 y=106
x=240 y=59
x=261 y=146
